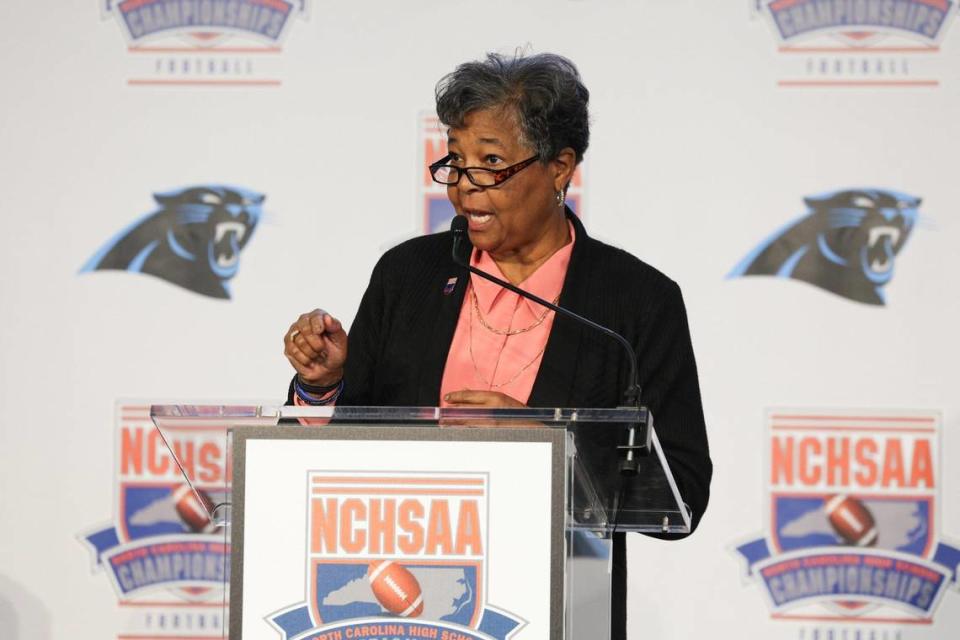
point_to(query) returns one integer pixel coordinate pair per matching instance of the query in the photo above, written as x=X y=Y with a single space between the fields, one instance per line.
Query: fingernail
x=447 y=397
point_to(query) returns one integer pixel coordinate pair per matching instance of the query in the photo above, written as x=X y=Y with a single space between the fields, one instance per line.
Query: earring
x=561 y=197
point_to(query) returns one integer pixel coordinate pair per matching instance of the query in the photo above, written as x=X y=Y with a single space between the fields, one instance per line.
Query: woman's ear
x=564 y=166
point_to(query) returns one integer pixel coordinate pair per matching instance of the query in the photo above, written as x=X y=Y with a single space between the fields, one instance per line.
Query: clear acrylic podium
x=592 y=498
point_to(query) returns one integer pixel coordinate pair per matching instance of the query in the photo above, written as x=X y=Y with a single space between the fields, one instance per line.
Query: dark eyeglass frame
x=499 y=175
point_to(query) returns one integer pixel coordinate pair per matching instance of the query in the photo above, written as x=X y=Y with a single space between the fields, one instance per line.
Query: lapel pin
x=449 y=287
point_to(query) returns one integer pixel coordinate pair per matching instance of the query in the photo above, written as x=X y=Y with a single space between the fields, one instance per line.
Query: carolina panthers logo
x=846 y=243
x=193 y=239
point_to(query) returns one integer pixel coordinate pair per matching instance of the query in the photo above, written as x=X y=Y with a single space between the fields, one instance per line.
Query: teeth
x=224 y=228
x=477 y=217
x=879 y=234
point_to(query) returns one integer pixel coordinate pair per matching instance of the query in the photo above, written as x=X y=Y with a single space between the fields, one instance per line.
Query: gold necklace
x=507 y=332
x=476 y=369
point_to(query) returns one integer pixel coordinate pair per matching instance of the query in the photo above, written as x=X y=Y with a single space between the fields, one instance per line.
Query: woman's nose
x=465 y=186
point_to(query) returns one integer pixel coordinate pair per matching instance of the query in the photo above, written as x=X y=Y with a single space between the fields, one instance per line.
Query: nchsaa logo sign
x=860 y=43
x=203 y=20
x=398 y=556
x=859 y=22
x=162 y=553
x=852 y=518
x=205 y=42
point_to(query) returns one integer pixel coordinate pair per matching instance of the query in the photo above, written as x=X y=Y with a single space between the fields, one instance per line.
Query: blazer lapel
x=554 y=384
x=437 y=344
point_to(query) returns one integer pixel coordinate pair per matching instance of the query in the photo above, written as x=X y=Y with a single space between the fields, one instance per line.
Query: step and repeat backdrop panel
x=182 y=178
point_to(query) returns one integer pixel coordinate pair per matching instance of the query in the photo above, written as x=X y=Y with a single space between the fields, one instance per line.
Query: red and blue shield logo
x=853 y=530
x=402 y=554
x=163 y=546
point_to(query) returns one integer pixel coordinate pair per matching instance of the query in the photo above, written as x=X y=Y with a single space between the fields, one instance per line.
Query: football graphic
x=851 y=519
x=194 y=514
x=395 y=588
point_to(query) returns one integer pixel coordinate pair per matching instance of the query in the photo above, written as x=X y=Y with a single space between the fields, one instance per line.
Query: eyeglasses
x=479 y=176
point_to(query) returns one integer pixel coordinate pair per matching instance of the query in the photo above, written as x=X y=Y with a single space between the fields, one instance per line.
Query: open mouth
x=477 y=218
x=226 y=243
x=880 y=244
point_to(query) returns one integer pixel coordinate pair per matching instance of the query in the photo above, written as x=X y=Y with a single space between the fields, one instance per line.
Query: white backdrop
x=699 y=151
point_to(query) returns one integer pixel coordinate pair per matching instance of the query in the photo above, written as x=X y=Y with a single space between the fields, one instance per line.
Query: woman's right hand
x=316 y=346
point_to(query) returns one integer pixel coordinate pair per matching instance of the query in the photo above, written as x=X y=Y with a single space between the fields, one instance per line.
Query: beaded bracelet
x=315 y=389
x=305 y=395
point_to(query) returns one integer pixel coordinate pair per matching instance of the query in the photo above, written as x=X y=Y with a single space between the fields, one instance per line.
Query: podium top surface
x=601 y=496
x=267 y=414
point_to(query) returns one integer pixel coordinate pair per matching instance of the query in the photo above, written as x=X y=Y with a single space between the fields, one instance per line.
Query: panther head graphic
x=846 y=243
x=193 y=239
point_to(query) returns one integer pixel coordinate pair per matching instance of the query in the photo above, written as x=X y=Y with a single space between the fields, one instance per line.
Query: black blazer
x=403 y=329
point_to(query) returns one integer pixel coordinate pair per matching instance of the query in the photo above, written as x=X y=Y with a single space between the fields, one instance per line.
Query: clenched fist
x=316 y=346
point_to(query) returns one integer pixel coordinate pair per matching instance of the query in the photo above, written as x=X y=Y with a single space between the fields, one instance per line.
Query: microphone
x=462 y=248
x=461 y=241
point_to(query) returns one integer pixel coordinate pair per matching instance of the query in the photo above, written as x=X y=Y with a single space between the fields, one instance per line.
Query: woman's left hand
x=471 y=399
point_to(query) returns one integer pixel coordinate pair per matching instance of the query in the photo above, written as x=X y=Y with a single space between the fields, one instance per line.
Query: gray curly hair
x=543 y=90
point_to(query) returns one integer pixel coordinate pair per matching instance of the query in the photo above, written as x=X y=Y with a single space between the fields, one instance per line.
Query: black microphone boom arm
x=631 y=395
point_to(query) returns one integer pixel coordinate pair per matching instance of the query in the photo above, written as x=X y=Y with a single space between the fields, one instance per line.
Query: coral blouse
x=488 y=360
x=500 y=336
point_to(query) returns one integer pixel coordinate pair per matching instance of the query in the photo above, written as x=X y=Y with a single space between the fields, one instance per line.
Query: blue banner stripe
x=293 y=622
x=948 y=557
x=103 y=541
x=754 y=551
x=297 y=622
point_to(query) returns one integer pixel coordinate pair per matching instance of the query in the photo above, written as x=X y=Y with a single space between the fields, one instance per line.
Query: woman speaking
x=428 y=332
